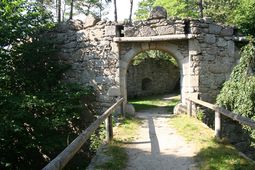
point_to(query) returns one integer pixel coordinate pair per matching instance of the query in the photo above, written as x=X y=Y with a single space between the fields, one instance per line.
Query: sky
x=123 y=7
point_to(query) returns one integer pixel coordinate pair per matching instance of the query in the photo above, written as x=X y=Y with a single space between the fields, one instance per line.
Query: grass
x=125 y=132
x=155 y=101
x=212 y=154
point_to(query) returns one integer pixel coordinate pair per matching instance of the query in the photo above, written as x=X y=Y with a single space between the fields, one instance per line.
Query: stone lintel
x=155 y=38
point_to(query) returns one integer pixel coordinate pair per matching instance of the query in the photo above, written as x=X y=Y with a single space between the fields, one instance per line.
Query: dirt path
x=158 y=146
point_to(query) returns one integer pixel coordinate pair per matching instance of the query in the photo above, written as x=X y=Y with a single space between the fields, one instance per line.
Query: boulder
x=158 y=12
x=130 y=110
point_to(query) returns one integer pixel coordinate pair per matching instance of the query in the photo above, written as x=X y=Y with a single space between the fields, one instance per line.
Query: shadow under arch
x=136 y=48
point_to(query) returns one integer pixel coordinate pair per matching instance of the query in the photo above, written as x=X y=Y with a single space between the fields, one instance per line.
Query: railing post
x=189 y=109
x=108 y=127
x=217 y=125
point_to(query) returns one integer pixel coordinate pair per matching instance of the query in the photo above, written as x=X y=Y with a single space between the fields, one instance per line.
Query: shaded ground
x=158 y=146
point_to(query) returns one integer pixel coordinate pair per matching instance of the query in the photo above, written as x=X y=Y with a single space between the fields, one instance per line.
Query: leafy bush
x=238 y=93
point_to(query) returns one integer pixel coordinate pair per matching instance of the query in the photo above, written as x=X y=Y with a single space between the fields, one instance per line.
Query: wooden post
x=189 y=108
x=217 y=125
x=108 y=127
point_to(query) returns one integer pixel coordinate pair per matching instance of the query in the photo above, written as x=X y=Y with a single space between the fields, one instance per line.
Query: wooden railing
x=67 y=154
x=218 y=111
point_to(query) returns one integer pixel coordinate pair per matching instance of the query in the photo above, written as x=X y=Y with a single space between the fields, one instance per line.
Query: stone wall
x=205 y=52
x=152 y=77
x=89 y=48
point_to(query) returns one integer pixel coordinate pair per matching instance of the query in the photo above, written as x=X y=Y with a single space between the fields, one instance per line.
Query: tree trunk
x=131 y=10
x=59 y=10
x=71 y=10
x=115 y=11
x=200 y=5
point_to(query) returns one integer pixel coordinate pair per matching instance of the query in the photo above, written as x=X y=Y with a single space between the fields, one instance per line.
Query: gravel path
x=158 y=146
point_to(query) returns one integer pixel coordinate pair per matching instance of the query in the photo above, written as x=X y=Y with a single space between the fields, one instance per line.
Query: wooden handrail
x=219 y=110
x=67 y=154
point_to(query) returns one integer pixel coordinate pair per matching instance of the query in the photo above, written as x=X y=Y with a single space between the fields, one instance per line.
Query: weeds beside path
x=211 y=154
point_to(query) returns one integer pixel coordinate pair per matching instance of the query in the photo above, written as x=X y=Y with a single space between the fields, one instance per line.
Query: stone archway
x=174 y=48
x=100 y=52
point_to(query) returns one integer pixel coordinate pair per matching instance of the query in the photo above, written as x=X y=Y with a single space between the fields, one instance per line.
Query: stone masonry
x=152 y=77
x=100 y=53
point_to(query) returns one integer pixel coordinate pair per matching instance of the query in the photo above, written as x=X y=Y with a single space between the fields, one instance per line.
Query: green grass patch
x=127 y=130
x=115 y=151
x=212 y=154
x=155 y=101
x=118 y=158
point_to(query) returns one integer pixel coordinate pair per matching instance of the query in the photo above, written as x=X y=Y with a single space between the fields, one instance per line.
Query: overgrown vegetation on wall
x=238 y=93
x=40 y=115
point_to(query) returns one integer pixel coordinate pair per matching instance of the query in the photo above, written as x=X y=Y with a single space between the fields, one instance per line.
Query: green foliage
x=144 y=8
x=200 y=114
x=118 y=158
x=243 y=16
x=97 y=138
x=238 y=93
x=155 y=54
x=39 y=114
x=220 y=10
x=179 y=8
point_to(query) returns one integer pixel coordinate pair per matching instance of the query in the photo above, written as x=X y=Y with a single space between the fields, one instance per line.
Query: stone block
x=147 y=31
x=165 y=30
x=194 y=47
x=130 y=110
x=227 y=31
x=114 y=91
x=215 y=29
x=110 y=30
x=90 y=21
x=210 y=38
x=231 y=48
x=212 y=50
x=221 y=42
x=158 y=13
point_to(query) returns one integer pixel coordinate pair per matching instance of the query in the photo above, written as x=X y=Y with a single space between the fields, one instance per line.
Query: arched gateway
x=101 y=51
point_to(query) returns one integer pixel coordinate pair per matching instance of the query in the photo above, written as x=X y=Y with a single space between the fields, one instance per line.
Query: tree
x=144 y=9
x=115 y=11
x=131 y=10
x=220 y=10
x=71 y=9
x=243 y=16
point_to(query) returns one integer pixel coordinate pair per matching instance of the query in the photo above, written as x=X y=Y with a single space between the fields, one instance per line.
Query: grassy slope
x=211 y=154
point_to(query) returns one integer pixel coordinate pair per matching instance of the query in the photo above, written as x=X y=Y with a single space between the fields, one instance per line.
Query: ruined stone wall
x=151 y=77
x=204 y=50
x=214 y=56
x=89 y=49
